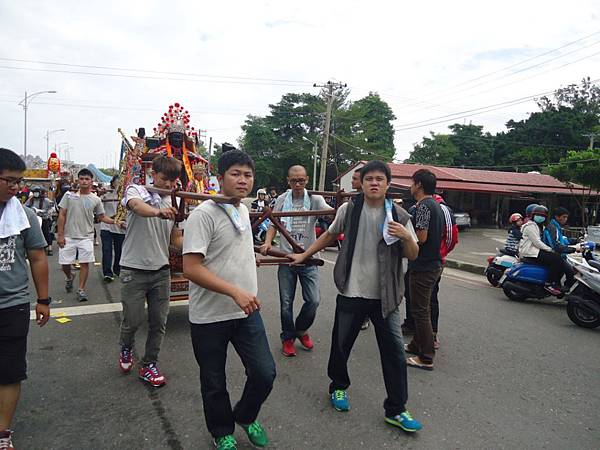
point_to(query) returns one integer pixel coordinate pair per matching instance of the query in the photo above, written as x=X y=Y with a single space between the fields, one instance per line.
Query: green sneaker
x=256 y=433
x=225 y=443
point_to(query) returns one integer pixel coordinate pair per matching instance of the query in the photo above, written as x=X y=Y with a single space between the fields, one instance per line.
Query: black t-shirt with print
x=428 y=216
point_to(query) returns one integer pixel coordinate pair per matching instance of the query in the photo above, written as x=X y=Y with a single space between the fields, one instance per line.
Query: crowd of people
x=387 y=254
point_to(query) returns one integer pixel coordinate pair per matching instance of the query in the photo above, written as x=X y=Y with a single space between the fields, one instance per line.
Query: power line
x=472 y=112
x=125 y=69
x=147 y=77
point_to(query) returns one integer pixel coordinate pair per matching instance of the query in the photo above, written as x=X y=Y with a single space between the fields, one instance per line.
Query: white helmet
x=261 y=191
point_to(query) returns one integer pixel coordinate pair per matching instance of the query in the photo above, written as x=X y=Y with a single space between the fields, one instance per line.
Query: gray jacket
x=389 y=258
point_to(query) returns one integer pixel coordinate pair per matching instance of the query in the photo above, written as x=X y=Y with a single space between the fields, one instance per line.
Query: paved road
x=476 y=244
x=509 y=375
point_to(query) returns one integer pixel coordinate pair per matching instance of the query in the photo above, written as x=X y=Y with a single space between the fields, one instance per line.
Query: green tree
x=580 y=167
x=435 y=150
x=474 y=146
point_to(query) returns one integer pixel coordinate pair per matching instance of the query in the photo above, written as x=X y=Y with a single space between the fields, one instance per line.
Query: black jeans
x=409 y=321
x=554 y=263
x=47 y=231
x=210 y=342
x=111 y=241
x=349 y=316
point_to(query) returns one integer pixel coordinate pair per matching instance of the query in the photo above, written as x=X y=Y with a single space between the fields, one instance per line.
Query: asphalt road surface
x=508 y=376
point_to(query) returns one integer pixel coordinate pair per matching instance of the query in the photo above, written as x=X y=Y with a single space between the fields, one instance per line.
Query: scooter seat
x=594 y=264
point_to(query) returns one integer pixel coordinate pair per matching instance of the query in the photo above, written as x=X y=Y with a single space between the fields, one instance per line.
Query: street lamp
x=47 y=137
x=25 y=103
x=315 y=145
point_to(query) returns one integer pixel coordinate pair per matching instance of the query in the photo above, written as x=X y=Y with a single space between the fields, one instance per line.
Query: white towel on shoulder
x=14 y=219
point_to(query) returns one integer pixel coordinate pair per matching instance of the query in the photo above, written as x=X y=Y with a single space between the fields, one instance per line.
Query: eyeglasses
x=12 y=181
x=297 y=180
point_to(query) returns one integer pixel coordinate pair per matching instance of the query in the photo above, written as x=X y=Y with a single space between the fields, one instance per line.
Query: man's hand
x=398 y=230
x=42 y=314
x=121 y=224
x=246 y=301
x=297 y=258
x=61 y=241
x=167 y=213
x=264 y=249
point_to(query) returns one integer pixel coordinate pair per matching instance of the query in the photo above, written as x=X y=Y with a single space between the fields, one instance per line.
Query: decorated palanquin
x=173 y=137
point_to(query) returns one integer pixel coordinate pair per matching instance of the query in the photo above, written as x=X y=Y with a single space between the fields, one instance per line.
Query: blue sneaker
x=339 y=400
x=404 y=421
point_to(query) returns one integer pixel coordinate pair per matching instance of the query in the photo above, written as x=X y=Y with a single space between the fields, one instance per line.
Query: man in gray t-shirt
x=145 y=274
x=302 y=229
x=75 y=230
x=21 y=249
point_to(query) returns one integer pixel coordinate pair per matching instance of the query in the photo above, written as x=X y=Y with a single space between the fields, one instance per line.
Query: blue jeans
x=350 y=314
x=309 y=280
x=210 y=342
x=111 y=241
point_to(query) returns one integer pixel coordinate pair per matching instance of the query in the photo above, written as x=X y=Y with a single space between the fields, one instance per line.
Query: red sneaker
x=288 y=348
x=6 y=440
x=151 y=374
x=126 y=360
x=306 y=341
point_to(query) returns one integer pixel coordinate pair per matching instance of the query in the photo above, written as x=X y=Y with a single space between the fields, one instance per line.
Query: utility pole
x=330 y=86
x=592 y=136
x=209 y=153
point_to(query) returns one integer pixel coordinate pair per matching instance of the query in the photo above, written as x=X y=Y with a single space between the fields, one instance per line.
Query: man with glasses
x=302 y=229
x=22 y=248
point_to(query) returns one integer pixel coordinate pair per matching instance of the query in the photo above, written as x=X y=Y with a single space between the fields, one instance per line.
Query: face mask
x=36 y=194
x=539 y=219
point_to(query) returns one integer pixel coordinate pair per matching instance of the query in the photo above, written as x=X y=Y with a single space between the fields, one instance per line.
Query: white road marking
x=71 y=311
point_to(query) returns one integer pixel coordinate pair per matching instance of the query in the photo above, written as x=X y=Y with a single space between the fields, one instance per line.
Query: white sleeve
x=198 y=233
x=337 y=226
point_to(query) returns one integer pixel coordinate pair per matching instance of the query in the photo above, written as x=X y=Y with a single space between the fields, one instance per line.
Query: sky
x=121 y=64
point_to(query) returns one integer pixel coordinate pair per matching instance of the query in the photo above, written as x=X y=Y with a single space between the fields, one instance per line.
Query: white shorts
x=81 y=250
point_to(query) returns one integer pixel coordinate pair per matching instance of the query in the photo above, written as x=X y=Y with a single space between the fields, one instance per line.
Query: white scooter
x=498 y=264
x=583 y=307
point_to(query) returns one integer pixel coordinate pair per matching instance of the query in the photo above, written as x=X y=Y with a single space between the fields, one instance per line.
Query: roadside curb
x=467 y=267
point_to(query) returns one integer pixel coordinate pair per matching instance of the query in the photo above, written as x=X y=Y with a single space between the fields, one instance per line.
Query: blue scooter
x=525 y=280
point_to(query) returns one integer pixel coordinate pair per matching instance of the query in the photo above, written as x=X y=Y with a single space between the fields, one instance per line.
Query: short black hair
x=85 y=173
x=233 y=157
x=376 y=166
x=167 y=165
x=9 y=160
x=561 y=211
x=427 y=180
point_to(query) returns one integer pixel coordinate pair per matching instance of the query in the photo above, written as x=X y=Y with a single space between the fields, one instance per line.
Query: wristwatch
x=44 y=301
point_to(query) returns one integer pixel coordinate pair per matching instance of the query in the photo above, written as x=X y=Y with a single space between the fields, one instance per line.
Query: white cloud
x=404 y=51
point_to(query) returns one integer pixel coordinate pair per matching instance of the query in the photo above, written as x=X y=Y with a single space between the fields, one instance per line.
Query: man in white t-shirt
x=145 y=274
x=75 y=230
x=302 y=229
x=112 y=236
x=219 y=261
x=369 y=275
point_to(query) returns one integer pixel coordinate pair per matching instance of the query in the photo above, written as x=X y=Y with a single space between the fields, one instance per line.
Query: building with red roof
x=489 y=196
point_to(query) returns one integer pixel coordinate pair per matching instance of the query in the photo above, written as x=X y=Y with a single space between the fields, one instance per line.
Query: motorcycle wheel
x=492 y=277
x=582 y=318
x=514 y=295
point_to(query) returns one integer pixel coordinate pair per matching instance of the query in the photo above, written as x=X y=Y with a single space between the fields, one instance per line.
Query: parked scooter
x=498 y=264
x=583 y=307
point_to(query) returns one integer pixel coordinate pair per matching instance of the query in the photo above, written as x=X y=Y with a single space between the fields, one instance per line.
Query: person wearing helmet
x=511 y=246
x=261 y=202
x=533 y=248
x=528 y=211
x=42 y=207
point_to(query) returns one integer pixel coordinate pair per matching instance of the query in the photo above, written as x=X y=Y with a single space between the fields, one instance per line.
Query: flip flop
x=415 y=362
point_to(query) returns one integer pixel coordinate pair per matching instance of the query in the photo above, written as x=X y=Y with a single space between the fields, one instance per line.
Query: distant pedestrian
x=75 y=229
x=112 y=236
x=302 y=230
x=42 y=206
x=369 y=276
x=21 y=249
x=426 y=270
x=219 y=261
x=145 y=275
